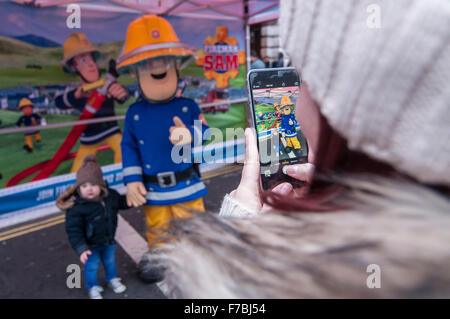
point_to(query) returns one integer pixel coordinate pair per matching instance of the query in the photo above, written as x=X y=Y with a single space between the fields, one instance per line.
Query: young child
x=91 y=222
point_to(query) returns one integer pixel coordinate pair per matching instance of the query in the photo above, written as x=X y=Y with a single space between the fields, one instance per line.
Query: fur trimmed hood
x=66 y=200
x=397 y=227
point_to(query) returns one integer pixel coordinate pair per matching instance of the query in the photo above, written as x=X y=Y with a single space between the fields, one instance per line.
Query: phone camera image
x=280 y=138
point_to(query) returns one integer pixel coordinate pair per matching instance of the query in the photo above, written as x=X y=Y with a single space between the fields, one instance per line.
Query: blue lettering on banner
x=41 y=192
x=29 y=195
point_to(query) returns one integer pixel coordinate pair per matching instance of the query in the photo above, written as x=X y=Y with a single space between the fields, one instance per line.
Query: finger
x=283 y=189
x=118 y=92
x=142 y=189
x=115 y=86
x=178 y=122
x=139 y=199
x=132 y=200
x=121 y=95
x=114 y=91
x=135 y=200
x=89 y=252
x=250 y=172
x=175 y=138
x=302 y=172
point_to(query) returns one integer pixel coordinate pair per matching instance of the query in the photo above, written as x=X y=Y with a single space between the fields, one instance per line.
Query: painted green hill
x=26 y=64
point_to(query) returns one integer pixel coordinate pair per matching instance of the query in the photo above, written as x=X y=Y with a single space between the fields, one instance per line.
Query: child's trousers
x=107 y=255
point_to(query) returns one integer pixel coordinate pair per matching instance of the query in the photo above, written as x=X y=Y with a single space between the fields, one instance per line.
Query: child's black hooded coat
x=91 y=223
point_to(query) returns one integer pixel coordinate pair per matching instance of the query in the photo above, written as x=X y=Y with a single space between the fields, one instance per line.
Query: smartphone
x=273 y=94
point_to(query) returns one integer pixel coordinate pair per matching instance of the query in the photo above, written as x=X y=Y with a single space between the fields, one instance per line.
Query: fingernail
x=291 y=169
x=285 y=189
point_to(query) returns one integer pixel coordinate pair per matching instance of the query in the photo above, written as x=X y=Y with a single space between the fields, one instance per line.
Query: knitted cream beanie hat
x=387 y=89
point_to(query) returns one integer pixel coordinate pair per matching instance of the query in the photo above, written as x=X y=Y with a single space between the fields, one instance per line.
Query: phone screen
x=274 y=94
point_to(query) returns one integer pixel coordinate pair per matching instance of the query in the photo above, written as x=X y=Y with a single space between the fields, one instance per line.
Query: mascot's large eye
x=159 y=76
x=157 y=66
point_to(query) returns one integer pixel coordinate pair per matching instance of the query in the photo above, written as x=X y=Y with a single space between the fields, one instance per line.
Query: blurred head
x=158 y=78
x=86 y=67
x=89 y=191
x=221 y=33
x=253 y=55
x=89 y=178
x=286 y=110
x=27 y=110
x=391 y=105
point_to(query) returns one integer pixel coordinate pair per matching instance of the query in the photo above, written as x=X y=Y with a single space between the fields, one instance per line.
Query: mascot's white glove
x=179 y=133
x=136 y=194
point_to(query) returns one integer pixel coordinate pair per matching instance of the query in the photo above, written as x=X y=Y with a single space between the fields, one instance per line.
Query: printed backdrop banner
x=31 y=40
x=26 y=196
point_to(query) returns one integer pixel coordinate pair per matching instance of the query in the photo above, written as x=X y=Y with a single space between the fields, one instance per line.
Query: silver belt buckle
x=166 y=179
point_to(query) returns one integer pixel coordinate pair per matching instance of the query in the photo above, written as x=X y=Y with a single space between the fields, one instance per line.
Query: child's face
x=27 y=110
x=89 y=191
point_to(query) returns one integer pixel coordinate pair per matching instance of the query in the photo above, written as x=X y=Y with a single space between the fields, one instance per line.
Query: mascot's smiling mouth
x=159 y=76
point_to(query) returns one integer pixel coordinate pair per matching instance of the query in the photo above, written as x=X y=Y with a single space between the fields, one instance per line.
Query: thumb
x=250 y=172
x=178 y=122
x=302 y=172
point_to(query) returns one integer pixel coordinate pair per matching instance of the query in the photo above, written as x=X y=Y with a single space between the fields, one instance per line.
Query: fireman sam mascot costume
x=154 y=125
x=80 y=57
x=29 y=119
x=288 y=127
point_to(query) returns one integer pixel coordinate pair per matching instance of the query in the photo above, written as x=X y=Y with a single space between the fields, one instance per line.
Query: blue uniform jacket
x=93 y=133
x=289 y=129
x=27 y=121
x=146 y=148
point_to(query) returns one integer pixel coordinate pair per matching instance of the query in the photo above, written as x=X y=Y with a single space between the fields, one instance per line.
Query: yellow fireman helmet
x=286 y=101
x=24 y=102
x=150 y=37
x=77 y=43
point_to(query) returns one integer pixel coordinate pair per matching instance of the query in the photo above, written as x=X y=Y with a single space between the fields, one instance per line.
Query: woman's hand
x=248 y=193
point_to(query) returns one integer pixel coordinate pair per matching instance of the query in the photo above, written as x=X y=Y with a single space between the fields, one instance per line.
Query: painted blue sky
x=102 y=25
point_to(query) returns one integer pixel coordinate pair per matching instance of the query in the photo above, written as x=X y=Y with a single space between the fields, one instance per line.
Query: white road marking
x=129 y=239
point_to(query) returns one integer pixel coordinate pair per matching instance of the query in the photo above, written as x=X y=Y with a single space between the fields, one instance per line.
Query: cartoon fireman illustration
x=221 y=57
x=29 y=119
x=154 y=125
x=276 y=106
x=288 y=126
x=80 y=57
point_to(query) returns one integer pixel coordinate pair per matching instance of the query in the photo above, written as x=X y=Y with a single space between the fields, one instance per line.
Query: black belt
x=169 y=179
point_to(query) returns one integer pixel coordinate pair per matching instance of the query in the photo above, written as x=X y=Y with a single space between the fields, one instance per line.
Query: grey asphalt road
x=34 y=264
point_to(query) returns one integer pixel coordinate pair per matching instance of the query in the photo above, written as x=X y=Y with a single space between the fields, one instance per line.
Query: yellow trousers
x=29 y=139
x=113 y=141
x=293 y=142
x=158 y=218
